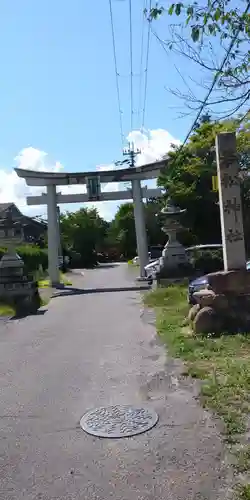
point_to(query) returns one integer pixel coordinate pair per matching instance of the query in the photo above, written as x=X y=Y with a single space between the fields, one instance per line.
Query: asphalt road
x=91 y=349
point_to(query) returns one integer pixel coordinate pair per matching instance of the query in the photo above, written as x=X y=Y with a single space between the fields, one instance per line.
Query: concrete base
x=57 y=285
x=142 y=279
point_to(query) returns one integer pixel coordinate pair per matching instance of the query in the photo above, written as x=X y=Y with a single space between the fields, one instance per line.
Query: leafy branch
x=202 y=26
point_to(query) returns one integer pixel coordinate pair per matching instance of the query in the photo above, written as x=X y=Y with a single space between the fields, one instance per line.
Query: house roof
x=5 y=206
x=25 y=219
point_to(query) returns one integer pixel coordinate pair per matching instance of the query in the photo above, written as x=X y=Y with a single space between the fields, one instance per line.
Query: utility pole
x=139 y=213
x=130 y=151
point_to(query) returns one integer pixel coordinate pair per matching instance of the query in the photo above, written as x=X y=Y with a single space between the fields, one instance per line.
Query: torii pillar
x=140 y=227
x=53 y=231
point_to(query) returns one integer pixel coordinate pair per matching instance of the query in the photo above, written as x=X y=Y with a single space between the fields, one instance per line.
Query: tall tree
x=155 y=234
x=83 y=232
x=122 y=228
x=187 y=179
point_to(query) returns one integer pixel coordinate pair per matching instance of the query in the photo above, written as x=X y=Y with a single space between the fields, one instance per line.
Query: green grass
x=243 y=492
x=6 y=310
x=223 y=364
x=45 y=283
x=243 y=459
x=131 y=263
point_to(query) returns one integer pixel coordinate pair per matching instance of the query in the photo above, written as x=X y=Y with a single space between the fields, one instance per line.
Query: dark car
x=200 y=283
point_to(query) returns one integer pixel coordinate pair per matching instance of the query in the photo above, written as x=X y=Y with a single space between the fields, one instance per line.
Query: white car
x=136 y=259
x=152 y=268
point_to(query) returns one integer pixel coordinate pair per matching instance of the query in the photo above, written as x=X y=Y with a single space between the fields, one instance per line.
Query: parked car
x=200 y=283
x=63 y=262
x=136 y=260
x=151 y=269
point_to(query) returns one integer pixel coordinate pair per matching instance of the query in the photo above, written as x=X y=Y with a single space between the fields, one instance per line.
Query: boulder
x=206 y=321
x=193 y=312
x=221 y=302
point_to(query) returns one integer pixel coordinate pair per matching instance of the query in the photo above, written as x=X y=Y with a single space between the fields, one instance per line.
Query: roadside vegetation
x=222 y=364
x=45 y=283
x=9 y=311
x=6 y=310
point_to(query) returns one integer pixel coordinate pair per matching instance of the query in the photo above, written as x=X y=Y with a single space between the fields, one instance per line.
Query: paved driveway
x=98 y=349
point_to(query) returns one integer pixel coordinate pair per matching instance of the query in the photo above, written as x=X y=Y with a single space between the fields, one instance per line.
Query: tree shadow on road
x=84 y=291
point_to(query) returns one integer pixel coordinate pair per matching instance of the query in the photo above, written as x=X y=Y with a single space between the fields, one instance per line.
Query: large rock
x=193 y=312
x=237 y=282
x=206 y=321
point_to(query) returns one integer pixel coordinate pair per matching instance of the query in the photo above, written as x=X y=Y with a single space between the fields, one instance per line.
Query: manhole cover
x=118 y=421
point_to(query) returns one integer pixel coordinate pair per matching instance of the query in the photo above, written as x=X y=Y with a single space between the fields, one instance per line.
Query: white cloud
x=153 y=145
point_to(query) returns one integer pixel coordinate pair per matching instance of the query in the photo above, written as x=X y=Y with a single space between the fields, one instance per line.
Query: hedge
x=35 y=258
x=207 y=261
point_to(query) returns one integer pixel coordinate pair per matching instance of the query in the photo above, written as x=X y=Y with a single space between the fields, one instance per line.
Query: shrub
x=35 y=258
x=207 y=261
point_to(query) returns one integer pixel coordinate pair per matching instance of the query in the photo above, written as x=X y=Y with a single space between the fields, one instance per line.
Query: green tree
x=83 y=232
x=187 y=179
x=122 y=228
x=155 y=234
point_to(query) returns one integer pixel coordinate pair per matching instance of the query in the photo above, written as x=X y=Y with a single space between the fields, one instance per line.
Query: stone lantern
x=174 y=258
x=16 y=289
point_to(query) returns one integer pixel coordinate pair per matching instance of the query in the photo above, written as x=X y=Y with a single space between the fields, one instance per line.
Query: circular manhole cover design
x=118 y=421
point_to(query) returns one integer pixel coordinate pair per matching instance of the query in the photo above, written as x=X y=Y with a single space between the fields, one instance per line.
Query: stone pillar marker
x=234 y=254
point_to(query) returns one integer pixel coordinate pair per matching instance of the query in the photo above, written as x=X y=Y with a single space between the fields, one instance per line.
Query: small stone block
x=204 y=297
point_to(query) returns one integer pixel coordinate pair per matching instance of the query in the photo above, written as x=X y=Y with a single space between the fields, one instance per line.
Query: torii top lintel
x=35 y=178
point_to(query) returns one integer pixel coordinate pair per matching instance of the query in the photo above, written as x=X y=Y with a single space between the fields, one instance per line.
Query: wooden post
x=234 y=254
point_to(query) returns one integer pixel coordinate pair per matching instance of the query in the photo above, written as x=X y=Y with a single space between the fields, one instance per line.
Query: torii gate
x=93 y=182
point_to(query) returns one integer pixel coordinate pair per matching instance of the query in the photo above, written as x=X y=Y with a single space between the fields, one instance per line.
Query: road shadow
x=107 y=265
x=84 y=291
x=40 y=312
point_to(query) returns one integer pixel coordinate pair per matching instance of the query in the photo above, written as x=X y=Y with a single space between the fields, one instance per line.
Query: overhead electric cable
x=116 y=72
x=131 y=67
x=146 y=68
x=141 y=61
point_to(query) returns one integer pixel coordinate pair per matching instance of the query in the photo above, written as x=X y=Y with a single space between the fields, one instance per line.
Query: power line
x=116 y=71
x=165 y=50
x=141 y=59
x=146 y=69
x=131 y=66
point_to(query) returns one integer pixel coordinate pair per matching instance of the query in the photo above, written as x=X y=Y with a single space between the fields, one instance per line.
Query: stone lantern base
x=16 y=289
x=224 y=306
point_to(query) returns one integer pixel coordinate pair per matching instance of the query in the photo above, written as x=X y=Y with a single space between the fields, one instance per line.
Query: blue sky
x=57 y=83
